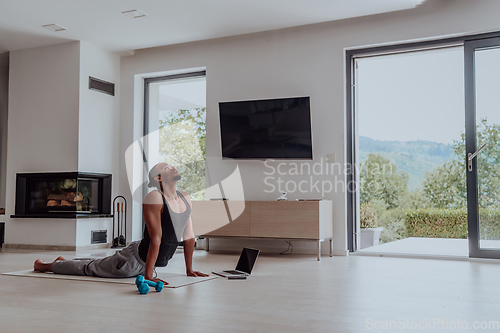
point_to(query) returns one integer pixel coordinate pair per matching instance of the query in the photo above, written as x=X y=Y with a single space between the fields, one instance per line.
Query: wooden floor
x=286 y=293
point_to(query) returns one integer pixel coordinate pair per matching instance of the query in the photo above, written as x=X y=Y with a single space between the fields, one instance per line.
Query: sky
x=182 y=94
x=420 y=95
x=488 y=85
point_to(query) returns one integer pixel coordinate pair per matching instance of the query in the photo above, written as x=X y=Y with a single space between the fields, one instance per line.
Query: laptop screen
x=247 y=260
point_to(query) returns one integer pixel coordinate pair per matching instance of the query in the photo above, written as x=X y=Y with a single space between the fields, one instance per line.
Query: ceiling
x=102 y=23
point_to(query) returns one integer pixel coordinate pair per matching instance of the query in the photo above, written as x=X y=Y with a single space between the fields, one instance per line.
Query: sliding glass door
x=472 y=184
x=482 y=160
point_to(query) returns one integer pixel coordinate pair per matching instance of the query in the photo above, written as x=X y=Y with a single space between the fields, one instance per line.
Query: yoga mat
x=175 y=280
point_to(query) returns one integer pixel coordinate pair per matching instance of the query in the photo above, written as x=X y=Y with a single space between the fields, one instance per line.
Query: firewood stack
x=66 y=199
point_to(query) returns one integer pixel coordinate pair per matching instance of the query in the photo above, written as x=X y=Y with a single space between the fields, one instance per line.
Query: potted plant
x=370 y=231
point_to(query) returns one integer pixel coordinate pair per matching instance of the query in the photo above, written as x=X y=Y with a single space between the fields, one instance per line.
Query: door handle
x=471 y=156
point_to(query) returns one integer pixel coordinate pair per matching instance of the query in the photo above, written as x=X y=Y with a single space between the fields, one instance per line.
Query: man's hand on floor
x=196 y=273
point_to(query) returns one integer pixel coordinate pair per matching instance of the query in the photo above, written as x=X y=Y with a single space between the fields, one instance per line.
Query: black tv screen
x=262 y=129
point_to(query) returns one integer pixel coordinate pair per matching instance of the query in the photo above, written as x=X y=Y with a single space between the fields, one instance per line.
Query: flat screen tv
x=266 y=129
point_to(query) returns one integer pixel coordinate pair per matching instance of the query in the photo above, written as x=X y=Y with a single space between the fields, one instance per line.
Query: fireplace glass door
x=62 y=193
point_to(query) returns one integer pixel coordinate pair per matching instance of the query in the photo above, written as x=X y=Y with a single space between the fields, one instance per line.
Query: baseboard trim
x=55 y=247
x=97 y=246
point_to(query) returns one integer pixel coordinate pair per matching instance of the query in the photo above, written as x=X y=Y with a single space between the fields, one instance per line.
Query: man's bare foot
x=41 y=266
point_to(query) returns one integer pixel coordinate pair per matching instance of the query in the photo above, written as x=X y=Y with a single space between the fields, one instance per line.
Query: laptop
x=244 y=266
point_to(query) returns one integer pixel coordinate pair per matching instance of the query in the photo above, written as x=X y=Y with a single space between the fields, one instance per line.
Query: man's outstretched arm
x=189 y=242
x=152 y=208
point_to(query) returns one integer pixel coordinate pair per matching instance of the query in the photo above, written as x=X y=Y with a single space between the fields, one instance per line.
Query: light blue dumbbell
x=143 y=285
x=143 y=288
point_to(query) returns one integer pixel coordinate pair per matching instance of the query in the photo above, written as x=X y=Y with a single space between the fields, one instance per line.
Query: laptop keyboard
x=234 y=272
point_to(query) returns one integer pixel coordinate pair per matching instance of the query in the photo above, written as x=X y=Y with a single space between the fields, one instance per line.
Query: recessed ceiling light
x=54 y=27
x=134 y=13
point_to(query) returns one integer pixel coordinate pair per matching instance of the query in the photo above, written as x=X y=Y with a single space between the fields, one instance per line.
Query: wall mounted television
x=266 y=129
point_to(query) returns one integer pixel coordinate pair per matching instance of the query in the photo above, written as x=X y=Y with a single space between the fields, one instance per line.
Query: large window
x=175 y=128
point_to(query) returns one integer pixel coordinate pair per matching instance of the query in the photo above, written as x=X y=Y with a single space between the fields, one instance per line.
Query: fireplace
x=63 y=195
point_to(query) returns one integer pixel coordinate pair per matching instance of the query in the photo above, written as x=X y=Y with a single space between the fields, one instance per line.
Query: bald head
x=163 y=172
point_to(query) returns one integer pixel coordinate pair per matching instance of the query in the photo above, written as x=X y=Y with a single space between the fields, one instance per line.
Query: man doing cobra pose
x=167 y=213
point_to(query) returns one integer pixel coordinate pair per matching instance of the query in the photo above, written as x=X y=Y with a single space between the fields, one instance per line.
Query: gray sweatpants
x=122 y=264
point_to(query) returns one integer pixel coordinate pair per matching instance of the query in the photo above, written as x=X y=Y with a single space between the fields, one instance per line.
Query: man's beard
x=178 y=177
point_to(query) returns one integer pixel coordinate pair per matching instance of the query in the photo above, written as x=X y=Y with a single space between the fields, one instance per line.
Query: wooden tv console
x=287 y=220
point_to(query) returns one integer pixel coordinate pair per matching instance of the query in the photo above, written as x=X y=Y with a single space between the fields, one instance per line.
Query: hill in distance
x=414 y=157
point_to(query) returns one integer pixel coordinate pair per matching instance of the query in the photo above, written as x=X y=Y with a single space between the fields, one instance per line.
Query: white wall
x=4 y=96
x=99 y=113
x=43 y=132
x=302 y=61
x=98 y=143
x=84 y=228
x=56 y=124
